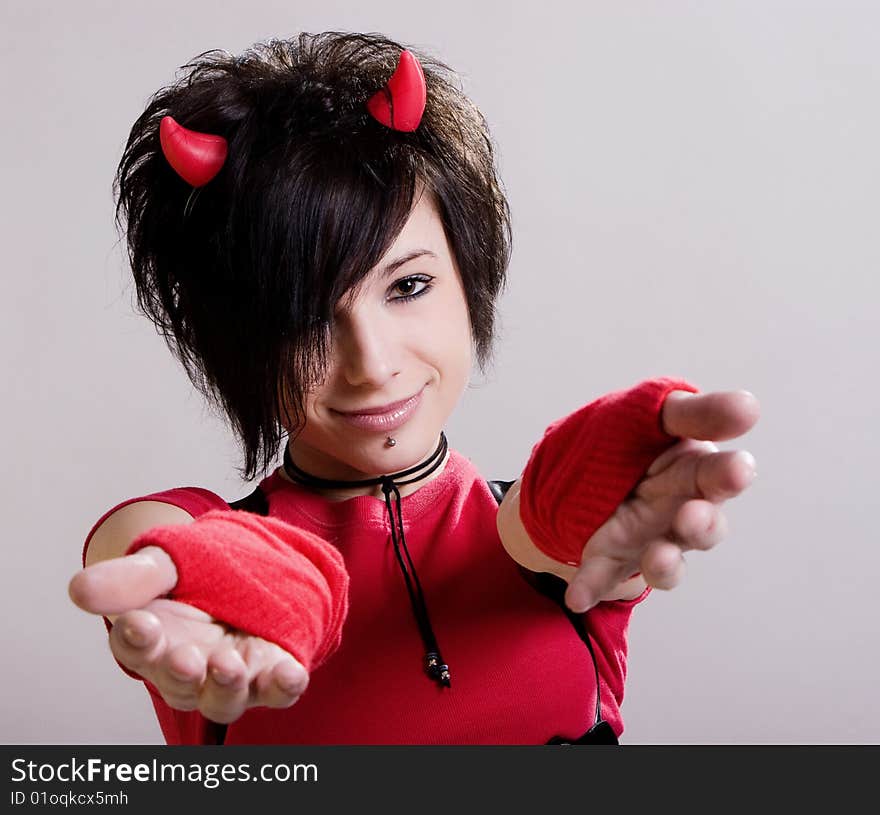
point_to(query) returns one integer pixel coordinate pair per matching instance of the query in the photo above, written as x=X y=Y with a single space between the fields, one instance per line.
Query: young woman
x=317 y=229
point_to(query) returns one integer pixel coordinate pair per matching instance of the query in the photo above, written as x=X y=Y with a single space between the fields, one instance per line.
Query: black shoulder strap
x=256 y=502
x=544 y=582
x=499 y=489
x=554 y=587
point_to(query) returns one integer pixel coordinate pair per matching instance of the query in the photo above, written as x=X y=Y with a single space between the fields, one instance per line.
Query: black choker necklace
x=435 y=667
x=431 y=463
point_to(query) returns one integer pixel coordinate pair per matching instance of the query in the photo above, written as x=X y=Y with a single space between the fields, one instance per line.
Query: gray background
x=694 y=191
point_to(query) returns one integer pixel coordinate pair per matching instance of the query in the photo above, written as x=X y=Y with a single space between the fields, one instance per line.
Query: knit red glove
x=587 y=464
x=259 y=575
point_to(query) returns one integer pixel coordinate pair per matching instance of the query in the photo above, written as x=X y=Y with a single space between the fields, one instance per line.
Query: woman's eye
x=409 y=288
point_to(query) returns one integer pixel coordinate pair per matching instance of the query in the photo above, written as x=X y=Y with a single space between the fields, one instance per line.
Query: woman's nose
x=366 y=350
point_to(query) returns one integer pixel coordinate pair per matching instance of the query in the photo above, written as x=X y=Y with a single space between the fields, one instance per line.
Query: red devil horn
x=196 y=157
x=400 y=104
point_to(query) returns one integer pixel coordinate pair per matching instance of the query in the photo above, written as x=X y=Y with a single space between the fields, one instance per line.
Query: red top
x=520 y=673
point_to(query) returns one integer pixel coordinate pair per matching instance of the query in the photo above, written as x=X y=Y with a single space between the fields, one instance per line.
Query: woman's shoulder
x=114 y=530
x=194 y=500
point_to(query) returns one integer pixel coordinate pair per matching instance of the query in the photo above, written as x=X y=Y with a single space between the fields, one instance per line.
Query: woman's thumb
x=124 y=583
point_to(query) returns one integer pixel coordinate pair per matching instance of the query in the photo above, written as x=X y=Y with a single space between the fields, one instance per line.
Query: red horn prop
x=401 y=103
x=195 y=157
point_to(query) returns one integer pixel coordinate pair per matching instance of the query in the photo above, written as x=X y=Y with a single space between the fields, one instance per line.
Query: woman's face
x=386 y=348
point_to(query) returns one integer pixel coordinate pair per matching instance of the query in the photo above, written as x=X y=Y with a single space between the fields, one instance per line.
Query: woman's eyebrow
x=394 y=265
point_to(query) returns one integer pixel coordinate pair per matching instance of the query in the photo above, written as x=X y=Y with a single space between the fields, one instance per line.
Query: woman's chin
x=407 y=451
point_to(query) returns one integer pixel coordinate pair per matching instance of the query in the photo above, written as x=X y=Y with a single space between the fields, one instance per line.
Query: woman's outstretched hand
x=195 y=661
x=677 y=506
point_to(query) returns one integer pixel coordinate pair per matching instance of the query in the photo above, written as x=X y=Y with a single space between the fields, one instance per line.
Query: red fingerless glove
x=587 y=463
x=260 y=575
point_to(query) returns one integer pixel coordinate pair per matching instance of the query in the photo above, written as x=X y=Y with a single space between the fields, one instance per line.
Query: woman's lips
x=389 y=420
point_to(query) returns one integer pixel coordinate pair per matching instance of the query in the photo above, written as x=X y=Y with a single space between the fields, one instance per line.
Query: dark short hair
x=312 y=194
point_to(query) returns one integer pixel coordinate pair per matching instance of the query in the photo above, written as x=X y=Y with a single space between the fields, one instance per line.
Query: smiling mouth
x=382 y=409
x=384 y=418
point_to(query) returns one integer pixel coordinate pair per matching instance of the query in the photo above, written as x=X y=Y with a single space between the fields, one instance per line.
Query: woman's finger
x=699 y=525
x=137 y=641
x=663 y=565
x=282 y=684
x=179 y=676
x=724 y=475
x=124 y=583
x=681 y=449
x=715 y=476
x=596 y=575
x=226 y=692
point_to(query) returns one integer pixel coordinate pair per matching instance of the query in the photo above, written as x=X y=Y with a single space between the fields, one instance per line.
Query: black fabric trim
x=499 y=489
x=554 y=587
x=256 y=502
